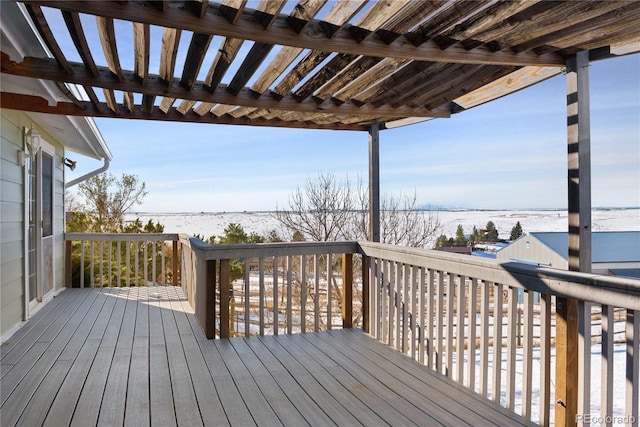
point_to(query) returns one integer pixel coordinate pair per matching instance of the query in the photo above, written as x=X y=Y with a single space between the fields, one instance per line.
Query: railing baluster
x=303 y=294
x=261 y=295
x=527 y=352
x=484 y=338
x=316 y=289
x=145 y=263
x=632 y=384
x=439 y=322
x=450 y=297
x=128 y=269
x=460 y=329
x=109 y=247
x=404 y=306
x=329 y=277
x=101 y=263
x=82 y=263
x=247 y=298
x=289 y=314
x=163 y=274
x=473 y=304
x=119 y=275
x=512 y=321
x=421 y=313
x=386 y=303
x=224 y=298
x=92 y=273
x=430 y=348
x=347 y=291
x=584 y=355
x=397 y=305
x=545 y=359
x=497 y=342
x=136 y=261
x=276 y=319
x=606 y=363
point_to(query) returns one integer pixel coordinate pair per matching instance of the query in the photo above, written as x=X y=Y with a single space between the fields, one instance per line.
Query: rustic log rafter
x=155 y=86
x=40 y=105
x=351 y=66
x=312 y=37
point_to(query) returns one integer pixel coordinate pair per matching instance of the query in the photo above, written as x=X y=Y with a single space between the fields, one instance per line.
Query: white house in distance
x=32 y=177
x=613 y=252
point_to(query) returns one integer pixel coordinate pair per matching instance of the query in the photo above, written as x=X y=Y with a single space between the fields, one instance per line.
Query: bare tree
x=330 y=210
x=321 y=211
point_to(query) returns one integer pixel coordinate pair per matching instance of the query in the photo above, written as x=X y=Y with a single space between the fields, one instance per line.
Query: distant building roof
x=606 y=246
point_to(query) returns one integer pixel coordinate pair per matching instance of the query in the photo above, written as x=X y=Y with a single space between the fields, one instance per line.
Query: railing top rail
x=211 y=252
x=601 y=289
x=121 y=237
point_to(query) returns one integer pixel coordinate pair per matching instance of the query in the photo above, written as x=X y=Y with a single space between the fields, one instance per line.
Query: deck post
x=68 y=272
x=174 y=267
x=579 y=250
x=347 y=290
x=210 y=310
x=374 y=183
x=224 y=298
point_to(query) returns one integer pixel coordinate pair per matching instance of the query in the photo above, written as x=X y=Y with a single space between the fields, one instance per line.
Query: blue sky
x=510 y=153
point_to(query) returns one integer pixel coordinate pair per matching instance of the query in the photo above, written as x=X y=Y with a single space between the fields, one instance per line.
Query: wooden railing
x=102 y=259
x=279 y=287
x=492 y=328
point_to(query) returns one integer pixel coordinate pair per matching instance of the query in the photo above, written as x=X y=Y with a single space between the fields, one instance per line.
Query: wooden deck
x=116 y=356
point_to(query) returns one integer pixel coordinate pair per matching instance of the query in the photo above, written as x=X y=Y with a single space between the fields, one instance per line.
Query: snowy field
x=209 y=223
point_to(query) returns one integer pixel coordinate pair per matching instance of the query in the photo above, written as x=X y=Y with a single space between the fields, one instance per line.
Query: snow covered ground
x=213 y=223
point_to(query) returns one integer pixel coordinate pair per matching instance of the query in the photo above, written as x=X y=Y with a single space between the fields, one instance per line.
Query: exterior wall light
x=71 y=164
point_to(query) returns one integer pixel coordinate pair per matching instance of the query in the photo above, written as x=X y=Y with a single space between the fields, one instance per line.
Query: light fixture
x=71 y=164
x=33 y=140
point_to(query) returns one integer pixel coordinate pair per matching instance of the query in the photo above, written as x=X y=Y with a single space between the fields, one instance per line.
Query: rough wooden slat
x=310 y=61
x=203 y=108
x=285 y=57
x=303 y=12
x=142 y=41
x=168 y=53
x=225 y=56
x=252 y=61
x=407 y=18
x=72 y=20
x=107 y=33
x=444 y=20
x=110 y=99
x=195 y=56
x=37 y=16
x=232 y=9
x=348 y=74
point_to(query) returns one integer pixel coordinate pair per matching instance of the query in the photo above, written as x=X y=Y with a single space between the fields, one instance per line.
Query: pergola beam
x=215 y=22
x=87 y=109
x=157 y=86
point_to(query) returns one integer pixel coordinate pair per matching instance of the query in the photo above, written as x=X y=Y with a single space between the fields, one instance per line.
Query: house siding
x=12 y=221
x=536 y=252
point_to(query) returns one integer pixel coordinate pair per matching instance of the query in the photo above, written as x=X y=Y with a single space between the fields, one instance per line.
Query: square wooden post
x=579 y=236
x=224 y=298
x=174 y=267
x=347 y=290
x=374 y=183
x=210 y=298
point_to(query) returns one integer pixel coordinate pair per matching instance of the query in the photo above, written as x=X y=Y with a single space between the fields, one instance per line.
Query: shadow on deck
x=116 y=356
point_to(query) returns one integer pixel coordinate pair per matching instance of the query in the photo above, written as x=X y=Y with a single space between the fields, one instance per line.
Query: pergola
x=341 y=65
x=336 y=65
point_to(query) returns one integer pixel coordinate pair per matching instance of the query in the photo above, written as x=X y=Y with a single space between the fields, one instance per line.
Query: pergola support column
x=374 y=183
x=579 y=254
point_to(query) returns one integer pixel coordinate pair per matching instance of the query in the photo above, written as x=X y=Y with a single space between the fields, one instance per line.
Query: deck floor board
x=138 y=356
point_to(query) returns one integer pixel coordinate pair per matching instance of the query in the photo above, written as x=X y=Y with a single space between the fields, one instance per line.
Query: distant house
x=466 y=250
x=33 y=164
x=613 y=252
